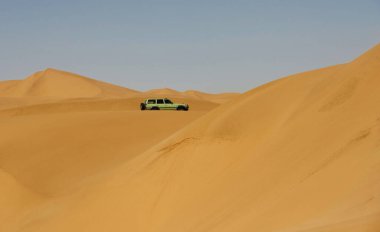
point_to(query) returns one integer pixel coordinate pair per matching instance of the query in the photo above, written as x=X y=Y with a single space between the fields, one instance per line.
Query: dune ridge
x=60 y=84
x=218 y=98
x=63 y=91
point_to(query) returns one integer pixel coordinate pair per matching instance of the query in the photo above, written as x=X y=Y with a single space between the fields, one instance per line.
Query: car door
x=150 y=103
x=169 y=104
x=161 y=104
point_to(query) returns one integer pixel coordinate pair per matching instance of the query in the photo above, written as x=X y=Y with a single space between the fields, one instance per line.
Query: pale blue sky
x=209 y=45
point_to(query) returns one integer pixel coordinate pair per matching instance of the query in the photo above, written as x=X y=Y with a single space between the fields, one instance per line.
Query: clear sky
x=209 y=45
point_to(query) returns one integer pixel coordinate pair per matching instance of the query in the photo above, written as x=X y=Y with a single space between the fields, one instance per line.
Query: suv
x=162 y=104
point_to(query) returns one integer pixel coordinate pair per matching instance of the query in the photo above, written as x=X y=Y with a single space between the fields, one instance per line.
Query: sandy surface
x=193 y=94
x=300 y=154
x=66 y=91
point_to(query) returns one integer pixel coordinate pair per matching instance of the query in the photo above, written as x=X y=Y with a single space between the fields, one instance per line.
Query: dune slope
x=219 y=98
x=298 y=154
x=94 y=105
x=58 y=91
x=54 y=83
x=57 y=152
x=14 y=197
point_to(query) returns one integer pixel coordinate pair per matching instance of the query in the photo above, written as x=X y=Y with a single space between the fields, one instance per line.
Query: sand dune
x=60 y=130
x=52 y=86
x=58 y=151
x=53 y=90
x=94 y=105
x=165 y=91
x=192 y=94
x=59 y=84
x=5 y=85
x=217 y=98
x=300 y=154
x=14 y=197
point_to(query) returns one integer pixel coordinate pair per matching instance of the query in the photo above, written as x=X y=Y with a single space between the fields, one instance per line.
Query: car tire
x=142 y=106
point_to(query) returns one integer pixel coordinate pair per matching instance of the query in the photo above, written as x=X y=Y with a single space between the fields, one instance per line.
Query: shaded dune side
x=15 y=200
x=14 y=196
x=298 y=154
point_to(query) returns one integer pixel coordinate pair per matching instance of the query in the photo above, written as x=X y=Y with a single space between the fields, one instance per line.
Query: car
x=162 y=104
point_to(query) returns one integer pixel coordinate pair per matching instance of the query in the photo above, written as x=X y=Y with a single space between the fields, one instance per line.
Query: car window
x=160 y=101
x=167 y=101
x=151 y=101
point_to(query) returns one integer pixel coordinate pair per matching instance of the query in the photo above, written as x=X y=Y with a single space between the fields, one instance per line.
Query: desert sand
x=300 y=154
x=60 y=91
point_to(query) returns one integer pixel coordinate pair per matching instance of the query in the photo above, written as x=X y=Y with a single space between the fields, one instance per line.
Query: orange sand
x=300 y=154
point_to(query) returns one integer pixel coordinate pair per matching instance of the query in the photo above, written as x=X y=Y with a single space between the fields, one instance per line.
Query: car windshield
x=167 y=101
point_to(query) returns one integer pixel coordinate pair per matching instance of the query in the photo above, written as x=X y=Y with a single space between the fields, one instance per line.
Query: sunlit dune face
x=297 y=154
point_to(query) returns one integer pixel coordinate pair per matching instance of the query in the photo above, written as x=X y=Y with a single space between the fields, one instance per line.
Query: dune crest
x=219 y=98
x=164 y=91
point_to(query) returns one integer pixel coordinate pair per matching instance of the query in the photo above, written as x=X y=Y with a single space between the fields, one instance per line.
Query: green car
x=162 y=104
